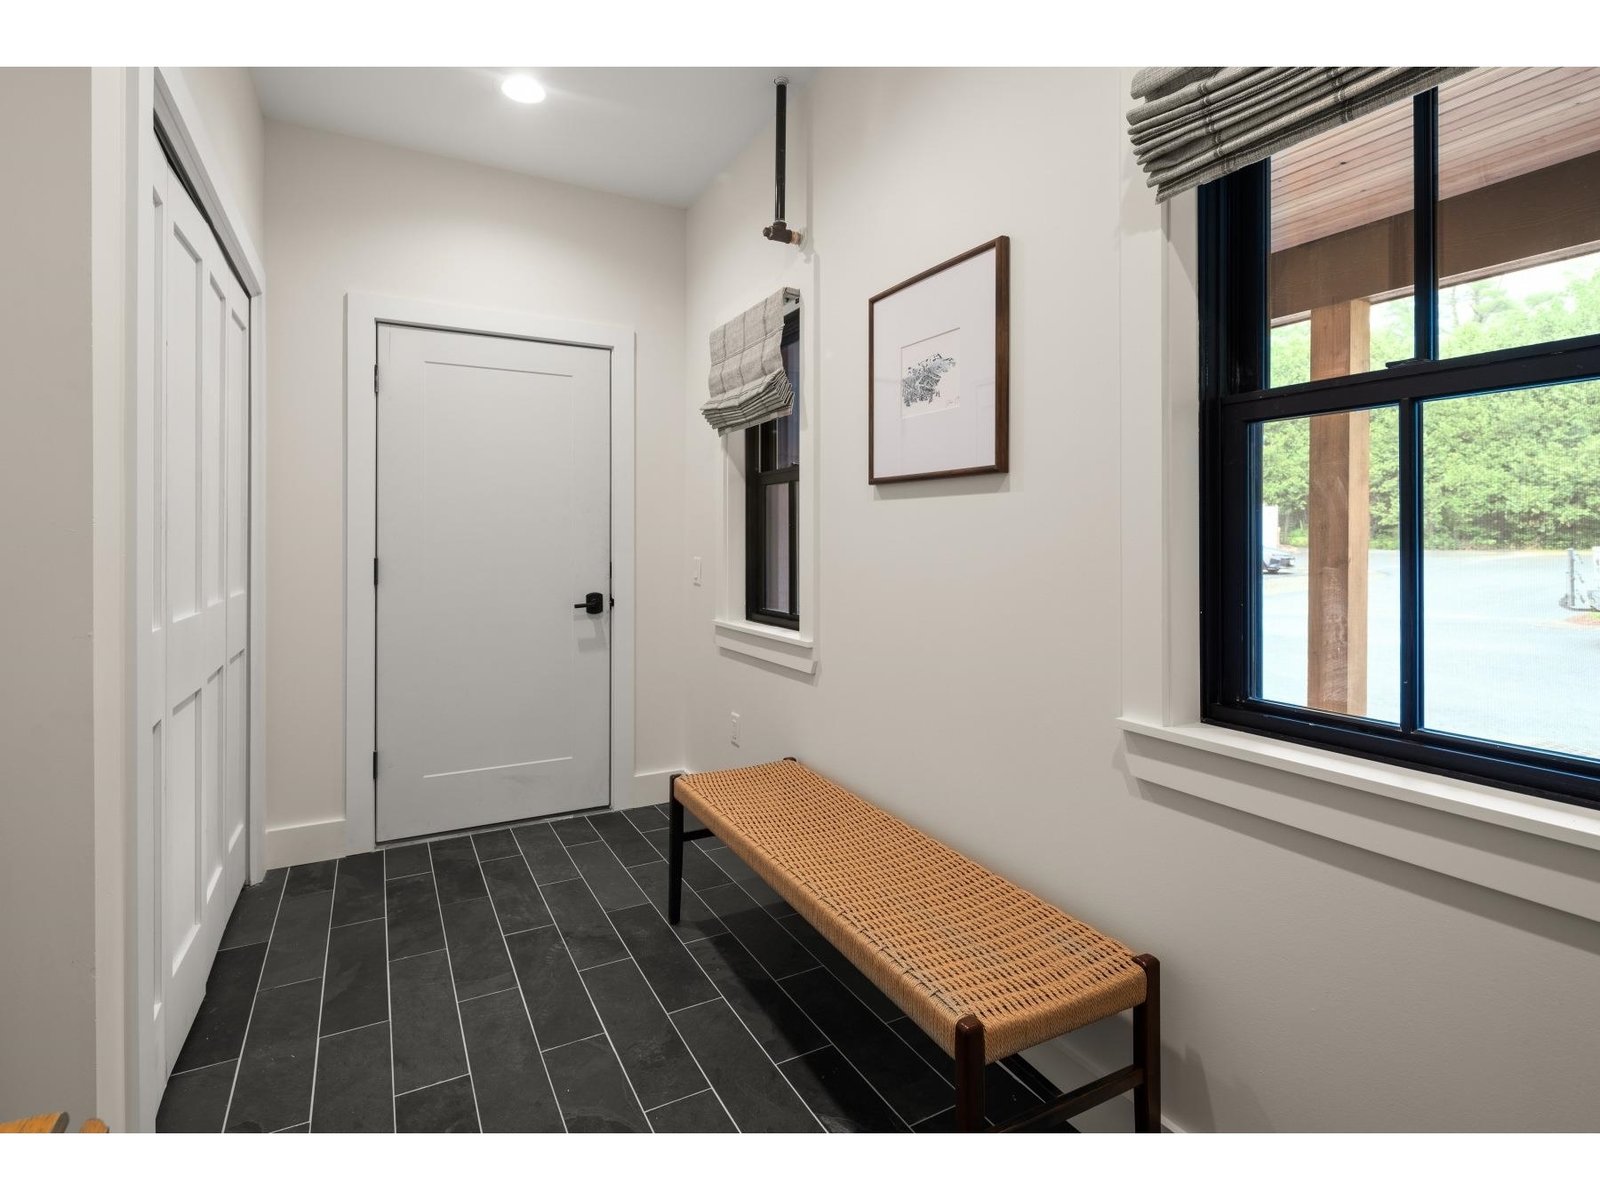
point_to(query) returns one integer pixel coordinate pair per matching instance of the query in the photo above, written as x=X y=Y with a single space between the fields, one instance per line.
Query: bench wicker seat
x=983 y=966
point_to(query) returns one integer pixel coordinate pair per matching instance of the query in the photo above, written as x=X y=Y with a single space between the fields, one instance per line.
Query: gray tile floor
x=525 y=979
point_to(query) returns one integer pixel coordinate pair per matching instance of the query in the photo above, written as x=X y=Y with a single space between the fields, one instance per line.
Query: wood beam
x=1529 y=217
x=1339 y=517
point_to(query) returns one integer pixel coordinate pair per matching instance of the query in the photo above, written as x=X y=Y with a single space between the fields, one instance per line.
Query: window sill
x=1468 y=831
x=767 y=643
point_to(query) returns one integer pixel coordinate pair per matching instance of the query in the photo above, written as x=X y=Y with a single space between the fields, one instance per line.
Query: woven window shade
x=748 y=383
x=1195 y=124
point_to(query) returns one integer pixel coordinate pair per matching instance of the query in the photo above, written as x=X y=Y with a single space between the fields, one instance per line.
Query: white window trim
x=731 y=631
x=1540 y=850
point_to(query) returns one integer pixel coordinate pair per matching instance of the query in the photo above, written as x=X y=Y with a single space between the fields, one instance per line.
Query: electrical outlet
x=697 y=570
x=733 y=728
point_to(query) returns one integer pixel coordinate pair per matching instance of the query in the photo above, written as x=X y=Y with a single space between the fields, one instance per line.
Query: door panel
x=493 y=521
x=191 y=545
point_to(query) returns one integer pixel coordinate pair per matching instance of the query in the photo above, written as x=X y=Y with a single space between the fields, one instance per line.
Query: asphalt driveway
x=1503 y=659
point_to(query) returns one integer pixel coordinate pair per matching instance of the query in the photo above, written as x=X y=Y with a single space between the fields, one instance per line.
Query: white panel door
x=192 y=556
x=493 y=688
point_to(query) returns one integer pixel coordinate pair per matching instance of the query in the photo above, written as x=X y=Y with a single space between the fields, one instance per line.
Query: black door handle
x=594 y=604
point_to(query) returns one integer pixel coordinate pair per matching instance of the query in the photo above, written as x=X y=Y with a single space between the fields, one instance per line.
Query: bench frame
x=1142 y=1076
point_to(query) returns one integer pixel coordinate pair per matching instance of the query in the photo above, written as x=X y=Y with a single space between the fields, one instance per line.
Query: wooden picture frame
x=943 y=311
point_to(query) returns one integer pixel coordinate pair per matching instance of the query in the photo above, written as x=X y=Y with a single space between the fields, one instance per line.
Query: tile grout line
x=583 y=983
x=610 y=962
x=388 y=990
x=290 y=983
x=436 y=1083
x=697 y=1003
x=680 y=1099
x=348 y=924
x=238 y=1064
x=352 y=1029
x=450 y=967
x=498 y=991
x=205 y=1067
x=511 y=962
x=795 y=1001
x=588 y=1037
x=322 y=993
x=719 y=996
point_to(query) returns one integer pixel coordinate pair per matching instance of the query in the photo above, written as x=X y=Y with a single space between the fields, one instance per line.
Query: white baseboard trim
x=649 y=787
x=313 y=841
x=1068 y=1067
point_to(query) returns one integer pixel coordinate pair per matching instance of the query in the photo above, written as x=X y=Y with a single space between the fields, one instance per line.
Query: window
x=772 y=483
x=1400 y=379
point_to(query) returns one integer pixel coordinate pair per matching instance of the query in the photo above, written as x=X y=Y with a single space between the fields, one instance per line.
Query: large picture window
x=1400 y=378
x=772 y=487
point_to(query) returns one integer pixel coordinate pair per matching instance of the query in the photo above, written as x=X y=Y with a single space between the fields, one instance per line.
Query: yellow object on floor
x=55 y=1122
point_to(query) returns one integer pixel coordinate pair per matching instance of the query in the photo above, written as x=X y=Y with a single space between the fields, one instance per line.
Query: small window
x=1400 y=349
x=772 y=483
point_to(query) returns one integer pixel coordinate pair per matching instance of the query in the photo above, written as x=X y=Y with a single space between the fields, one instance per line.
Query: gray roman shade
x=748 y=383
x=1195 y=124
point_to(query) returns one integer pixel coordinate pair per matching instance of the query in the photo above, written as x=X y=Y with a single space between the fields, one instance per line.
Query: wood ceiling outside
x=1494 y=124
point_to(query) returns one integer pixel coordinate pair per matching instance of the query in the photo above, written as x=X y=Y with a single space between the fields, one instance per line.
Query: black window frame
x=757 y=480
x=1234 y=243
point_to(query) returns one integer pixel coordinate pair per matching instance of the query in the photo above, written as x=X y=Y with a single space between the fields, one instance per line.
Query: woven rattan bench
x=984 y=967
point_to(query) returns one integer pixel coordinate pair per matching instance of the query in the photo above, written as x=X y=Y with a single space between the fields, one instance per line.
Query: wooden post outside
x=1340 y=522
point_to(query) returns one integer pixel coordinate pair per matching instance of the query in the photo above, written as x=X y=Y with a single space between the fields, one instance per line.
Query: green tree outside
x=1511 y=470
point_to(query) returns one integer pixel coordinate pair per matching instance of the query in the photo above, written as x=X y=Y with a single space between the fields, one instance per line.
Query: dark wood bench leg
x=969 y=1075
x=674 y=850
x=1147 y=1050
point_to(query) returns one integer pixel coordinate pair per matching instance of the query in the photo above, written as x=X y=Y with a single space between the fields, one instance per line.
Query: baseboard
x=313 y=841
x=649 y=787
x=1067 y=1068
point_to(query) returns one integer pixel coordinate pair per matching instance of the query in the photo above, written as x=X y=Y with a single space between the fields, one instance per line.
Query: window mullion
x=1425 y=223
x=1411 y=627
x=1425 y=291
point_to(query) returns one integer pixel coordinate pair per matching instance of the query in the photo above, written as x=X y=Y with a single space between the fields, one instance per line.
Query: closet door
x=192 y=468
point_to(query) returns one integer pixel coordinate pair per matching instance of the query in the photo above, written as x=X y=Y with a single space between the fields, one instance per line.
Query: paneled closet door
x=193 y=457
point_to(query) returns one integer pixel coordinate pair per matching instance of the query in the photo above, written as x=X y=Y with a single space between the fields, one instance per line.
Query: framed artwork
x=937 y=370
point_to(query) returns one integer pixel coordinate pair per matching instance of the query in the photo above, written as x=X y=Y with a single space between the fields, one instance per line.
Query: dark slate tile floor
x=526 y=980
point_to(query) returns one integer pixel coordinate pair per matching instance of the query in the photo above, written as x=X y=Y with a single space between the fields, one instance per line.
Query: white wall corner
x=313 y=841
x=649 y=787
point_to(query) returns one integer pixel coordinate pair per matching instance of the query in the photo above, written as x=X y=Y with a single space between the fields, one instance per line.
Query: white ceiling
x=656 y=133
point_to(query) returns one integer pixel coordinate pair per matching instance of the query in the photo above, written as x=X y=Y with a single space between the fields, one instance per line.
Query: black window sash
x=1235 y=239
x=761 y=447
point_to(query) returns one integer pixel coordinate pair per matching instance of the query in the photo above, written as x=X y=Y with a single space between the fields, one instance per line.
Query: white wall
x=970 y=639
x=47 y=843
x=351 y=215
x=231 y=114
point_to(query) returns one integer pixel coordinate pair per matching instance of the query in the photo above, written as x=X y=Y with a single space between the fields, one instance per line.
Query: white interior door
x=192 y=448
x=493 y=689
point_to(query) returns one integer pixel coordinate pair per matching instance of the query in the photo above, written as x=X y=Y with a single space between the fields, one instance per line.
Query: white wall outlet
x=697 y=570
x=733 y=728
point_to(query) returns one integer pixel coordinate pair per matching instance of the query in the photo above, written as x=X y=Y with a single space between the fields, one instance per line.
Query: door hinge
x=374 y=379
x=374 y=571
x=374 y=764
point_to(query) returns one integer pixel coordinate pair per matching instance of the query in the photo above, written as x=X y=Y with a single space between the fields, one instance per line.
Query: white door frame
x=159 y=94
x=363 y=312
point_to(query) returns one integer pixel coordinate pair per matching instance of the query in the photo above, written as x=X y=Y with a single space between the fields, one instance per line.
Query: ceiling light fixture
x=524 y=89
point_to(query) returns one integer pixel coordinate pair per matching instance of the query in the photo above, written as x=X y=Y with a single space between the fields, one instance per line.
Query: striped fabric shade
x=1195 y=124
x=748 y=382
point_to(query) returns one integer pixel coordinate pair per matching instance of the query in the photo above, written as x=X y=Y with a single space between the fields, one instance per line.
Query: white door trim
x=160 y=94
x=363 y=312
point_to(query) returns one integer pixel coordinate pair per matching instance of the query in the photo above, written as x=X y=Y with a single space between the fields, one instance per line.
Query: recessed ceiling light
x=524 y=89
